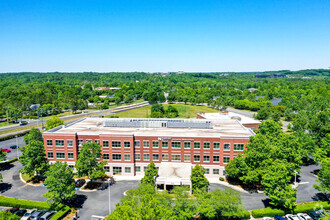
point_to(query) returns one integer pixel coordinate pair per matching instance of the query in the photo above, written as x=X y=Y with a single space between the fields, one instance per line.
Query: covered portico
x=174 y=174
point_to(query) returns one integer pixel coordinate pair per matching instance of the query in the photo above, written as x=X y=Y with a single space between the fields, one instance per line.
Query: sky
x=163 y=35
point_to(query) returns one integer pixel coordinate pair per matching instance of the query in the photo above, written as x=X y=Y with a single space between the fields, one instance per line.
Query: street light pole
x=295 y=178
x=109 y=197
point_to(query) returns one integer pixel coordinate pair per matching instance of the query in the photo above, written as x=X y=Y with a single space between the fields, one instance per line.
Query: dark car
x=277 y=217
x=12 y=210
x=314 y=215
x=23 y=123
x=20 y=212
x=103 y=186
x=80 y=183
x=14 y=146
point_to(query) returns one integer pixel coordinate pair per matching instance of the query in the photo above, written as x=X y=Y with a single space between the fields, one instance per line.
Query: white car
x=303 y=216
x=291 y=217
x=267 y=218
x=28 y=214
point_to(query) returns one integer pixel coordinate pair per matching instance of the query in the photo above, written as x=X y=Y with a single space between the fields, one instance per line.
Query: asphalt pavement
x=14 y=152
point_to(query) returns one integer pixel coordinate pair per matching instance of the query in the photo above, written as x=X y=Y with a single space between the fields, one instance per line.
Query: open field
x=185 y=111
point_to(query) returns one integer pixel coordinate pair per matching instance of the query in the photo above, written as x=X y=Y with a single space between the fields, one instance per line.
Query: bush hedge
x=246 y=214
x=309 y=206
x=61 y=213
x=14 y=135
x=269 y=212
x=28 y=204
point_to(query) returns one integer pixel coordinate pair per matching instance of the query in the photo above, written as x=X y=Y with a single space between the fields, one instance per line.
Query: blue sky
x=164 y=35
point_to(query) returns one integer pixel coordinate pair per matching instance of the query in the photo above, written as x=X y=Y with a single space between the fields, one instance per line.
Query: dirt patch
x=91 y=185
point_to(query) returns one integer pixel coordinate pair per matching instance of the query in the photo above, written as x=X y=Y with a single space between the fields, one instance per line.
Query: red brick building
x=128 y=145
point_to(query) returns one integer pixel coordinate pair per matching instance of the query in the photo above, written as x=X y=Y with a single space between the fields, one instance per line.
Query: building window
x=145 y=169
x=71 y=167
x=49 y=142
x=137 y=143
x=165 y=144
x=165 y=157
x=80 y=142
x=216 y=171
x=226 y=159
x=226 y=146
x=176 y=157
x=116 y=144
x=155 y=144
x=105 y=143
x=127 y=157
x=69 y=143
x=116 y=156
x=176 y=144
x=197 y=158
x=116 y=170
x=206 y=145
x=206 y=158
x=97 y=141
x=155 y=157
x=216 y=145
x=187 y=145
x=70 y=155
x=50 y=155
x=216 y=158
x=59 y=143
x=127 y=170
x=106 y=157
x=88 y=141
x=137 y=169
x=197 y=145
x=146 y=144
x=207 y=171
x=239 y=147
x=187 y=158
x=146 y=157
x=127 y=144
x=107 y=168
x=60 y=155
x=137 y=156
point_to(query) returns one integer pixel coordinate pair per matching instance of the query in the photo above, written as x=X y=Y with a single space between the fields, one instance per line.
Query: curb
x=20 y=176
x=84 y=190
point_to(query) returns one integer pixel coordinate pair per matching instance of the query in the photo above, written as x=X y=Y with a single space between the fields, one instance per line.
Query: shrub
x=246 y=214
x=61 y=213
x=270 y=212
x=221 y=179
x=13 y=202
x=305 y=207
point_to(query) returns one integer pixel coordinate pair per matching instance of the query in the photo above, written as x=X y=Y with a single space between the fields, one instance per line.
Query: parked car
x=103 y=186
x=20 y=212
x=14 y=146
x=6 y=150
x=23 y=123
x=80 y=183
x=12 y=210
x=314 y=215
x=322 y=213
x=36 y=215
x=277 y=217
x=28 y=214
x=291 y=217
x=303 y=216
x=47 y=215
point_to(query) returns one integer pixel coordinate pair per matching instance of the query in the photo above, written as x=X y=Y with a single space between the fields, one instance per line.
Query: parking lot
x=14 y=152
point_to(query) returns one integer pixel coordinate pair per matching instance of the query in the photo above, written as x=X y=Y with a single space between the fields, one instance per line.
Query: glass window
x=146 y=144
x=145 y=169
x=155 y=144
x=137 y=156
x=207 y=171
x=105 y=143
x=80 y=142
x=60 y=155
x=127 y=144
x=226 y=159
x=187 y=158
x=69 y=143
x=206 y=145
x=206 y=158
x=187 y=145
x=137 y=169
x=238 y=146
x=70 y=155
x=127 y=157
x=71 y=167
x=116 y=144
x=59 y=143
x=176 y=157
x=116 y=170
x=197 y=158
x=127 y=170
x=165 y=144
x=137 y=143
x=155 y=157
x=216 y=158
x=50 y=155
x=106 y=157
x=116 y=156
x=197 y=145
x=226 y=146
x=165 y=157
x=216 y=171
x=88 y=141
x=107 y=168
x=216 y=145
x=146 y=157
x=49 y=142
x=176 y=144
x=97 y=141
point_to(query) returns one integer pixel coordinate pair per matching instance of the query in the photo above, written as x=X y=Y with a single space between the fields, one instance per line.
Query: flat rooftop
x=95 y=126
x=229 y=115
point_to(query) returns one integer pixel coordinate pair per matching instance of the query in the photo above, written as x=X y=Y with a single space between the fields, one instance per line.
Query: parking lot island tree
x=54 y=122
x=34 y=134
x=2 y=155
x=88 y=164
x=150 y=174
x=60 y=183
x=324 y=177
x=34 y=159
x=198 y=180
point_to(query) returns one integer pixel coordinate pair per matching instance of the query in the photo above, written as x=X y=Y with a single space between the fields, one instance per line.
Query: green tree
x=263 y=114
x=53 y=122
x=4 y=215
x=324 y=177
x=172 y=112
x=34 y=135
x=1 y=178
x=237 y=167
x=34 y=159
x=198 y=179
x=183 y=206
x=15 y=113
x=60 y=183
x=150 y=174
x=87 y=163
x=2 y=155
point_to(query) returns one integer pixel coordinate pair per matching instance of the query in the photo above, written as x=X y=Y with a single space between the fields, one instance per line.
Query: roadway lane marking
x=303 y=183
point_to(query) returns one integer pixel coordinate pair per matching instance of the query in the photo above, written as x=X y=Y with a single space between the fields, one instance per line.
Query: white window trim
x=214 y=160
x=60 y=153
x=184 y=159
x=50 y=157
x=207 y=161
x=135 y=156
x=146 y=154
x=205 y=142
x=117 y=159
x=153 y=144
x=184 y=145
x=115 y=147
x=166 y=146
x=69 y=157
x=199 y=144
x=139 y=144
x=165 y=159
x=148 y=144
x=67 y=143
x=103 y=144
x=153 y=157
x=59 y=140
x=224 y=160
x=216 y=143
x=129 y=144
x=224 y=147
x=175 y=155
x=238 y=150
x=49 y=140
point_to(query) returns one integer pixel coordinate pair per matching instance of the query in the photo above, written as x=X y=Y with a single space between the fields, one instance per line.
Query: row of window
x=155 y=144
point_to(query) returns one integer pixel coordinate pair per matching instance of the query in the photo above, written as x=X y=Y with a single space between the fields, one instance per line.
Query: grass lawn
x=26 y=177
x=185 y=111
